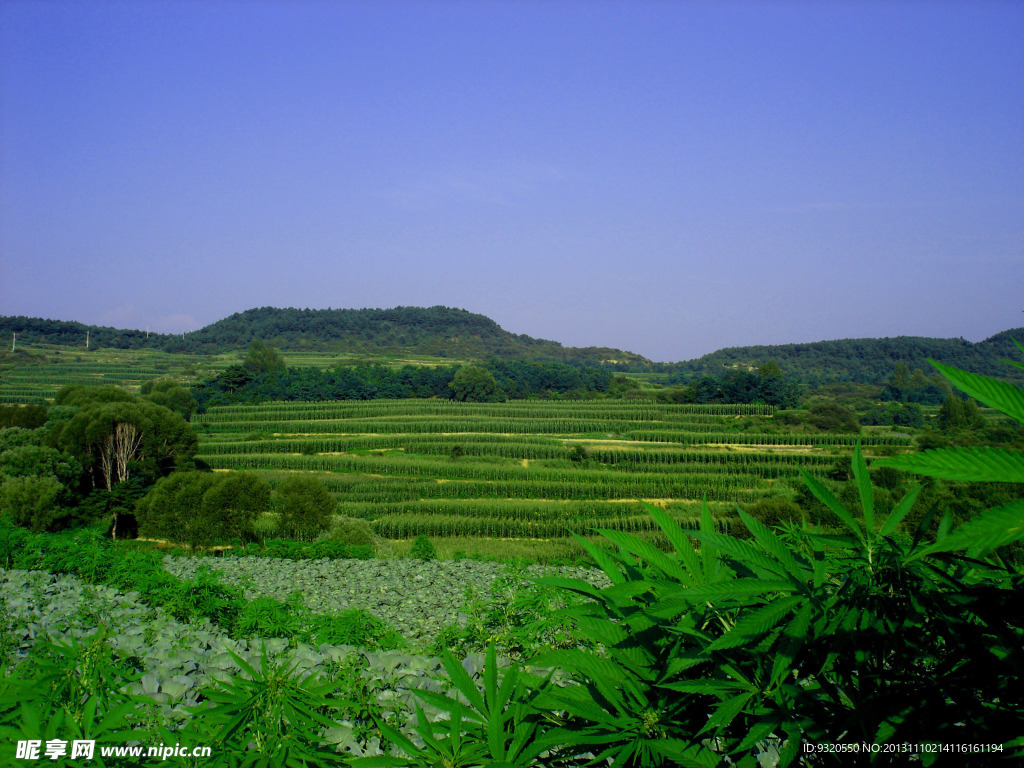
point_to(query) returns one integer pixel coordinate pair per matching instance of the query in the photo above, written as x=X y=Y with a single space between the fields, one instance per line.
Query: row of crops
x=37 y=372
x=533 y=469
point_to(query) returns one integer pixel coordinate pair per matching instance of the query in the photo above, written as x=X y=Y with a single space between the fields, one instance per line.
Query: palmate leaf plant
x=71 y=691
x=647 y=634
x=739 y=647
x=267 y=715
x=1005 y=523
x=498 y=726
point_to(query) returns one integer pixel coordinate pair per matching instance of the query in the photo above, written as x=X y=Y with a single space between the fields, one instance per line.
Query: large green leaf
x=677 y=538
x=991 y=529
x=647 y=553
x=685 y=754
x=1001 y=395
x=864 y=490
x=1012 y=362
x=826 y=497
x=899 y=511
x=727 y=711
x=969 y=464
x=774 y=546
x=756 y=623
x=732 y=590
x=742 y=551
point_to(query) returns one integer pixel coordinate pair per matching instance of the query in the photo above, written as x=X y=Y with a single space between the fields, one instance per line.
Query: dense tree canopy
x=203 y=508
x=171 y=395
x=305 y=508
x=519 y=378
x=441 y=331
x=473 y=384
x=262 y=358
x=115 y=435
x=869 y=361
x=768 y=385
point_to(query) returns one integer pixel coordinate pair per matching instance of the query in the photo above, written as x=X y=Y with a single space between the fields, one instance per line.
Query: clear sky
x=664 y=177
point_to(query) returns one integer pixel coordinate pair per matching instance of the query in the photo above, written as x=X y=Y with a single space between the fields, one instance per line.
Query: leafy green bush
x=304 y=508
x=515 y=615
x=336 y=550
x=31 y=502
x=288 y=549
x=352 y=530
x=13 y=541
x=275 y=708
x=202 y=509
x=500 y=725
x=423 y=548
x=354 y=627
x=775 y=511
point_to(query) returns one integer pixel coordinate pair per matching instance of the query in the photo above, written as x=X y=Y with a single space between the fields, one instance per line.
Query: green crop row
x=755 y=438
x=529 y=409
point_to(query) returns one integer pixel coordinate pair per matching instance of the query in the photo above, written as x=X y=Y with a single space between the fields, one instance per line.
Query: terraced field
x=36 y=373
x=532 y=469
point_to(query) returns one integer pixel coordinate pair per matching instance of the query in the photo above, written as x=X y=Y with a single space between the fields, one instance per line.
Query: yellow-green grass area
x=34 y=373
x=524 y=476
x=333 y=360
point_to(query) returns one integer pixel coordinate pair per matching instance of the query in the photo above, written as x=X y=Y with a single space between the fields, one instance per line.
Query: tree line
x=101 y=453
x=263 y=376
x=867 y=361
x=436 y=331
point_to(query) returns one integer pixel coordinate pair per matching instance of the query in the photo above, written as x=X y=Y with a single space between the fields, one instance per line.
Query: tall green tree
x=262 y=358
x=116 y=435
x=473 y=384
x=171 y=395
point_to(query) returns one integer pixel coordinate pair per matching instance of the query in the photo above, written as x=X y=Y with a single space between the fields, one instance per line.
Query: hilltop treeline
x=455 y=333
x=436 y=331
x=510 y=378
x=866 y=361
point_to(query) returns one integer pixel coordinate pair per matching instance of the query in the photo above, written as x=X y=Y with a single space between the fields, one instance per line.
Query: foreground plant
x=499 y=726
x=67 y=692
x=268 y=716
x=863 y=636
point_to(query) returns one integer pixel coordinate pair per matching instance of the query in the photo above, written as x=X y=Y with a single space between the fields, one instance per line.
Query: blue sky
x=664 y=177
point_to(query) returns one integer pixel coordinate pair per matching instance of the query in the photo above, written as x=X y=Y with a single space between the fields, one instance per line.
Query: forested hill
x=440 y=331
x=870 y=361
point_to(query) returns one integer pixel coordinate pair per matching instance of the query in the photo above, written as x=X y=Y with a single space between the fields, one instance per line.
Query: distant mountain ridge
x=869 y=361
x=459 y=334
x=439 y=331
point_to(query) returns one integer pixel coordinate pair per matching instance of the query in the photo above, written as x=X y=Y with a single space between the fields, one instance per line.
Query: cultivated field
x=520 y=470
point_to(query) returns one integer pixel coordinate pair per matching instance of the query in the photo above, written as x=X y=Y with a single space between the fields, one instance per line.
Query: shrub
x=304 y=507
x=203 y=509
x=353 y=531
x=423 y=548
x=31 y=502
x=354 y=627
x=775 y=511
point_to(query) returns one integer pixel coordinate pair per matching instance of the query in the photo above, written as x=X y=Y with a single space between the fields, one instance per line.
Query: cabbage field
x=146 y=656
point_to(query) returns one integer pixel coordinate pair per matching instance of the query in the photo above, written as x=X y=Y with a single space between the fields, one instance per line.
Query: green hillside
x=435 y=331
x=868 y=361
x=444 y=333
